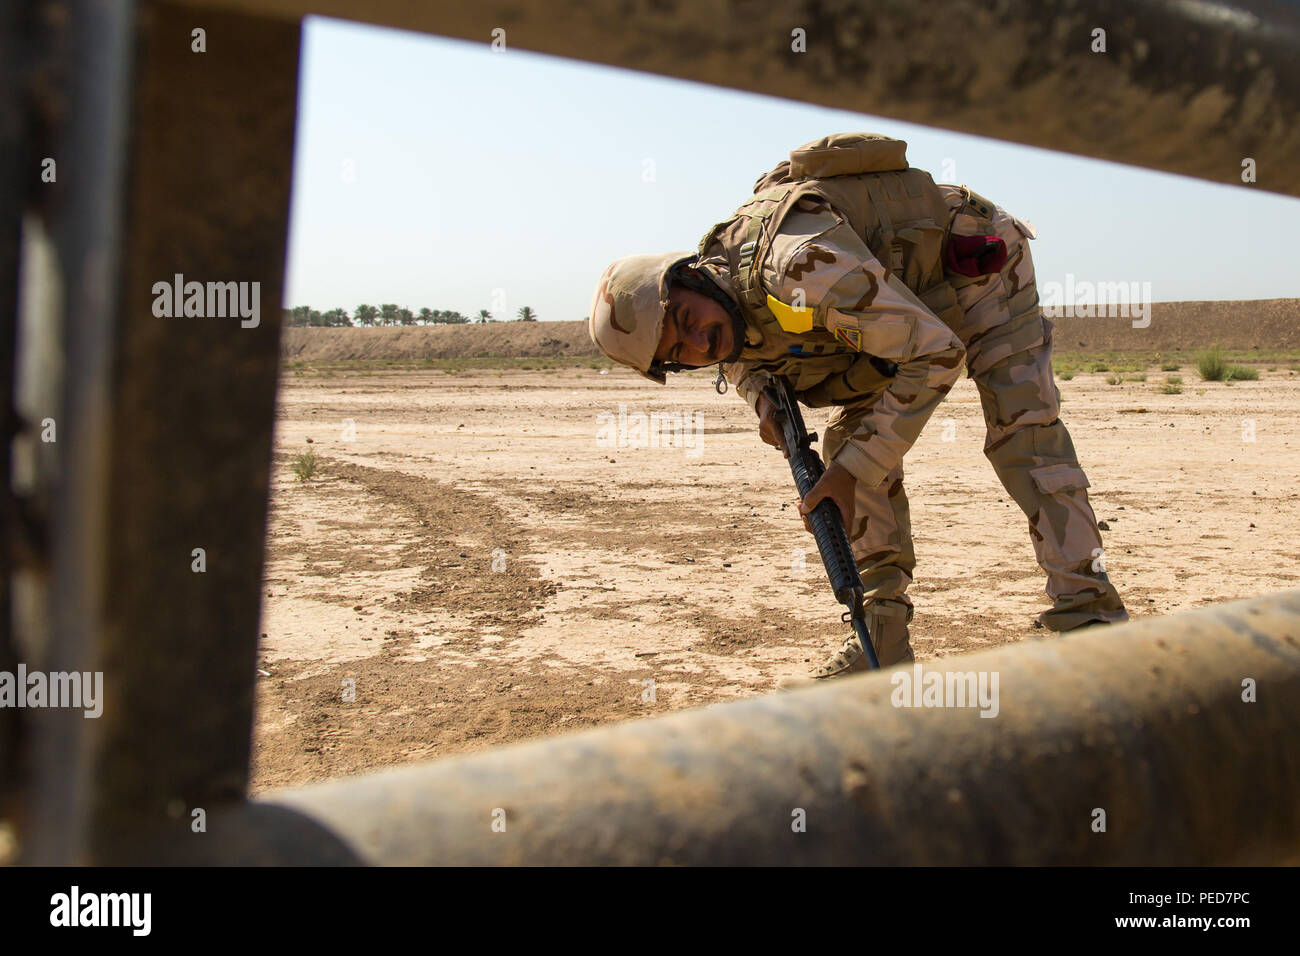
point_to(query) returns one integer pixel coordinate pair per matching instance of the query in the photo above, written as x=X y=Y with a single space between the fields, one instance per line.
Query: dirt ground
x=479 y=564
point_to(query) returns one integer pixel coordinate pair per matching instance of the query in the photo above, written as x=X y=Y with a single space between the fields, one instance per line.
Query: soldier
x=867 y=285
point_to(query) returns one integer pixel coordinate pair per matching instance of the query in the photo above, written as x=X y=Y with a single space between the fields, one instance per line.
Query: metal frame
x=175 y=162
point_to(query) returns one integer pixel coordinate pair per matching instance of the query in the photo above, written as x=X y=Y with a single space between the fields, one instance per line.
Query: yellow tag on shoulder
x=791 y=319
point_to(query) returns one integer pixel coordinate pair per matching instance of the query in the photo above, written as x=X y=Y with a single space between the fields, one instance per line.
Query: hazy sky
x=438 y=173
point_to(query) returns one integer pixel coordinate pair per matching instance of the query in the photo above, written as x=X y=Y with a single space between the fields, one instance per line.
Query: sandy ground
x=477 y=566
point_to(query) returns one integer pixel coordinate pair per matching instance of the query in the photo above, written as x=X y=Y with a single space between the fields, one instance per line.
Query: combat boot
x=887 y=621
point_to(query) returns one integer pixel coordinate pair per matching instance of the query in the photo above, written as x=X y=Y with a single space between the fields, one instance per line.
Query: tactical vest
x=896 y=210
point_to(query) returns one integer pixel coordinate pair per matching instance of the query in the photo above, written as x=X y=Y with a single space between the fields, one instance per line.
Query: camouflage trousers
x=1009 y=356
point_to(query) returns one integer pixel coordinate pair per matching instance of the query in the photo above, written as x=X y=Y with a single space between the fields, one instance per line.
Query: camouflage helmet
x=627 y=313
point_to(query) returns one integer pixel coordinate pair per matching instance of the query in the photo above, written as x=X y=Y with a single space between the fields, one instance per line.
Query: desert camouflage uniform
x=856 y=309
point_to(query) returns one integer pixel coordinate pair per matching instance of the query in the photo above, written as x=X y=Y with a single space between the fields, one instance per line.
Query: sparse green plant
x=1098 y=367
x=1240 y=373
x=305 y=464
x=1142 y=377
x=1114 y=379
x=1211 y=365
x=1173 y=380
x=1171 y=388
x=1169 y=366
x=1066 y=376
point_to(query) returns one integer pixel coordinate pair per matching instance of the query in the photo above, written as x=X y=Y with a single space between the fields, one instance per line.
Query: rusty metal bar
x=191 y=419
x=1185 y=86
x=1146 y=722
x=177 y=162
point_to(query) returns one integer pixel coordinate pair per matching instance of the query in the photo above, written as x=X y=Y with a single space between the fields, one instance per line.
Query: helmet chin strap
x=738 y=333
x=719 y=383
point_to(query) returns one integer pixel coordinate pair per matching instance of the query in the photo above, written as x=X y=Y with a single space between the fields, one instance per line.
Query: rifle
x=826 y=520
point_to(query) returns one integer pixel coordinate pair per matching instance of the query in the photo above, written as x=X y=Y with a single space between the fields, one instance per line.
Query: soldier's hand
x=769 y=428
x=838 y=484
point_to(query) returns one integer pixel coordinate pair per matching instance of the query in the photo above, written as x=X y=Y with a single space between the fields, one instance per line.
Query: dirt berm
x=1263 y=324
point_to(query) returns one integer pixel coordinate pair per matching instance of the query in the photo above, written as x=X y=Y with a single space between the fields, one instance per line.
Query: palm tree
x=484 y=316
x=526 y=314
x=365 y=314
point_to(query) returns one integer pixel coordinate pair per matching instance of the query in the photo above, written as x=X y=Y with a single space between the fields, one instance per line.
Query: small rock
x=1103 y=526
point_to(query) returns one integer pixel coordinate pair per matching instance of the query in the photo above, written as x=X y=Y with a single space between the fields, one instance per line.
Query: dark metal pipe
x=1145 y=724
x=84 y=105
x=13 y=130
